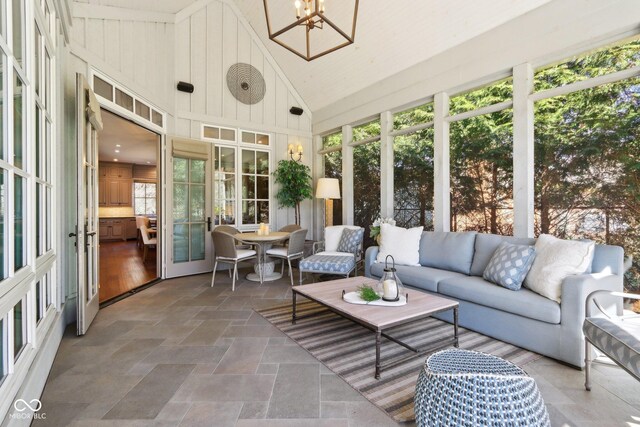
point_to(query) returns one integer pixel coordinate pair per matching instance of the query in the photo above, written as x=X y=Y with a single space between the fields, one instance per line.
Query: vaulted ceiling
x=391 y=36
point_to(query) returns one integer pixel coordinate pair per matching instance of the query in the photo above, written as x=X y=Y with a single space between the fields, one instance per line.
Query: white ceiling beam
x=85 y=10
x=191 y=9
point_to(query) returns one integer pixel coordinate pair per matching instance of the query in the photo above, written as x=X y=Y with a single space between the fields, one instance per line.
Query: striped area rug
x=348 y=349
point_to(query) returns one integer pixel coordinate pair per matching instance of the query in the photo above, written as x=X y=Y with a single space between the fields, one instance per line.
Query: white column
x=318 y=172
x=347 y=175
x=386 y=164
x=523 y=156
x=441 y=193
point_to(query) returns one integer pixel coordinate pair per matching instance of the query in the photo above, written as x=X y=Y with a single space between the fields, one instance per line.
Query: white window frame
x=145 y=183
x=238 y=145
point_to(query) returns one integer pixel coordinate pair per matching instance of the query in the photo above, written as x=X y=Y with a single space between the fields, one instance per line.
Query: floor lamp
x=328 y=189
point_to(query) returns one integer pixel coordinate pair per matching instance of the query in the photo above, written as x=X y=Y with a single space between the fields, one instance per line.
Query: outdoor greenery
x=295 y=185
x=366 y=176
x=587 y=159
x=413 y=169
x=333 y=169
x=587 y=154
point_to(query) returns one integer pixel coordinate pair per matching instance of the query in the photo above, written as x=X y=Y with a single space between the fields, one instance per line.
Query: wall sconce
x=295 y=151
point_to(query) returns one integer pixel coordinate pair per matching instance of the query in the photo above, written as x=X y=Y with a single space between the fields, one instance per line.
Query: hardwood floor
x=122 y=268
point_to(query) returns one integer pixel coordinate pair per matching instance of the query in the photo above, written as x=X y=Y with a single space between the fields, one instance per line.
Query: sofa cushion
x=509 y=265
x=486 y=245
x=425 y=278
x=402 y=244
x=555 y=260
x=448 y=251
x=523 y=302
x=326 y=262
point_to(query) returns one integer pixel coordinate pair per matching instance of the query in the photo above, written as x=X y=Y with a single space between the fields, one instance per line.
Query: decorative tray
x=354 y=298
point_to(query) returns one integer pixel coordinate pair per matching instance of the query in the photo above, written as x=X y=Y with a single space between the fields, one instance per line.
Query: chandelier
x=320 y=26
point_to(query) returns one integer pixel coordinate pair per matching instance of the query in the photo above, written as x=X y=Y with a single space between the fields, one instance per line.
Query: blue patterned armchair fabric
x=618 y=337
x=328 y=263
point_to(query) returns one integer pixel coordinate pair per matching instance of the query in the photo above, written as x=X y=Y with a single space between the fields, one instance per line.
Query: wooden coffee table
x=378 y=318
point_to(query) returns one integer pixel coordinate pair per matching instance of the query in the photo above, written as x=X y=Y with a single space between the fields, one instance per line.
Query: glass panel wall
x=586 y=155
x=481 y=150
x=333 y=169
x=366 y=180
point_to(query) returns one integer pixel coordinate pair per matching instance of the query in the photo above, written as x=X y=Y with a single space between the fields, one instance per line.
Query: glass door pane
x=189 y=213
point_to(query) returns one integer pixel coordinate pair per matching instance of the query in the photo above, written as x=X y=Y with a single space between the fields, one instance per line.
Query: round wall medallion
x=246 y=83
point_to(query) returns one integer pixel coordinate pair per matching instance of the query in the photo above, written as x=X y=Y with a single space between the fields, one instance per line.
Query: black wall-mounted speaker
x=185 y=87
x=297 y=111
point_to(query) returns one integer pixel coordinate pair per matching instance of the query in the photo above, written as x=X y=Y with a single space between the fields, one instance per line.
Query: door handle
x=93 y=233
x=75 y=243
x=208 y=223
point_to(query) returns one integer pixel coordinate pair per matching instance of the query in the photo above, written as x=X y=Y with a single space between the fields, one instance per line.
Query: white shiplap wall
x=133 y=49
x=149 y=52
x=208 y=42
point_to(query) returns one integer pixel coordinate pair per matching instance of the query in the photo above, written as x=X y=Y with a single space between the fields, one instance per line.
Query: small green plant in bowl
x=368 y=294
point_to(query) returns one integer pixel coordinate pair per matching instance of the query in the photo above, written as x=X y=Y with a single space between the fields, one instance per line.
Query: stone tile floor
x=183 y=354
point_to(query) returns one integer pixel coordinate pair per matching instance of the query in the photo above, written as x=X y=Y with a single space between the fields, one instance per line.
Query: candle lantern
x=390 y=287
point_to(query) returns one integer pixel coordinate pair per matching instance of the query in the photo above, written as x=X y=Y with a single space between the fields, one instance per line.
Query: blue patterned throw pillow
x=509 y=265
x=350 y=240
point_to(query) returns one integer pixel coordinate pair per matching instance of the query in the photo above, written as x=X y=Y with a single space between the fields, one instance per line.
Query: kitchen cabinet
x=115 y=185
x=131 y=229
x=117 y=229
x=113 y=228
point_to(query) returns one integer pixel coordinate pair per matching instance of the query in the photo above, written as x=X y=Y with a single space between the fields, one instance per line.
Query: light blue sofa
x=451 y=264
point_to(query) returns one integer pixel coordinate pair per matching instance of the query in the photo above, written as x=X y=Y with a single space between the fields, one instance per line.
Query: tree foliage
x=295 y=185
x=586 y=159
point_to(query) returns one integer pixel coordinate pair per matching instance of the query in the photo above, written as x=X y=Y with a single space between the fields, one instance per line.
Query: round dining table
x=264 y=241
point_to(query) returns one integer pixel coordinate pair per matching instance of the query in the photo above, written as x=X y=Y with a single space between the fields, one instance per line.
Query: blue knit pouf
x=467 y=388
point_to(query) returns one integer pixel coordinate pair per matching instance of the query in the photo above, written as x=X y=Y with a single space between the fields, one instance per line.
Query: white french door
x=88 y=125
x=189 y=198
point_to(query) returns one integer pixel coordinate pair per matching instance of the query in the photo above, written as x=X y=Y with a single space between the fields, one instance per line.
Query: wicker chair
x=233 y=231
x=468 y=388
x=227 y=252
x=287 y=229
x=295 y=250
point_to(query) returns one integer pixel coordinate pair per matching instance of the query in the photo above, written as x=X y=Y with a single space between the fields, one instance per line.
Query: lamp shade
x=328 y=188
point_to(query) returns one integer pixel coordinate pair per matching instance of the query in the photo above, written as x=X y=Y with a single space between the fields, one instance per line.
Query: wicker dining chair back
x=227 y=229
x=290 y=228
x=224 y=244
x=296 y=242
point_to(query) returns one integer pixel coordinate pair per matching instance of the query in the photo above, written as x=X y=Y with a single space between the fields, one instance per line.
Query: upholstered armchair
x=617 y=336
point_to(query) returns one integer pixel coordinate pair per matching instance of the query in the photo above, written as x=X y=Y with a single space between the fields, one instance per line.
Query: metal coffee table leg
x=455 y=325
x=293 y=313
x=378 y=342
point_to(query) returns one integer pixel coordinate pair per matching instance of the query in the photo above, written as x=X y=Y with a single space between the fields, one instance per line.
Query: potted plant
x=295 y=185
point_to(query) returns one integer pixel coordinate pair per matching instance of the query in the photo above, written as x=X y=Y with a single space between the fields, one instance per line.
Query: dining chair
x=147 y=241
x=227 y=252
x=140 y=221
x=290 y=228
x=294 y=250
x=229 y=229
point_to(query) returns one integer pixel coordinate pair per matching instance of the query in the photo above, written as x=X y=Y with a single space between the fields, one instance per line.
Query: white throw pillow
x=332 y=236
x=555 y=260
x=401 y=243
